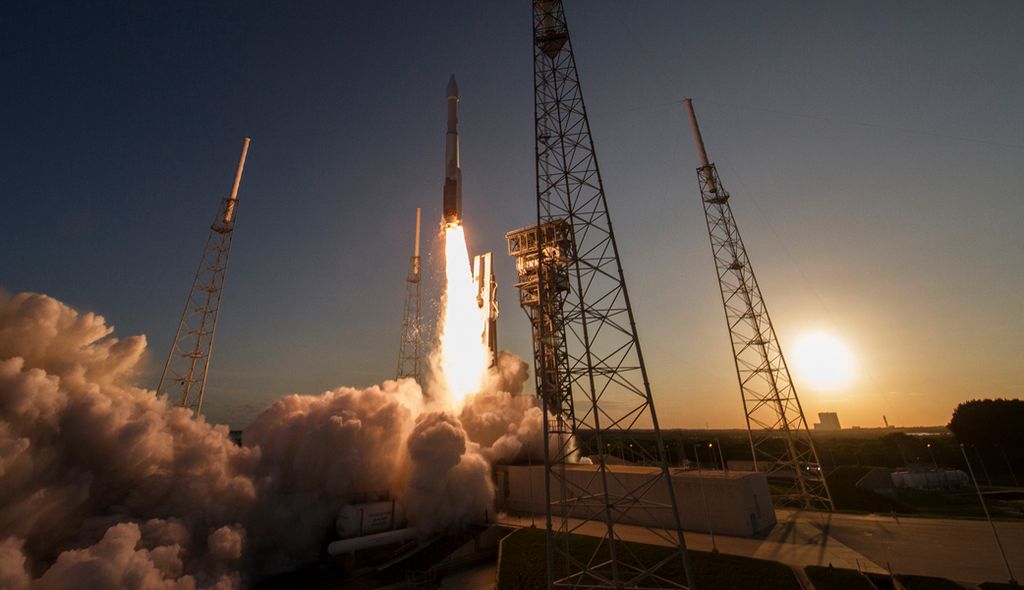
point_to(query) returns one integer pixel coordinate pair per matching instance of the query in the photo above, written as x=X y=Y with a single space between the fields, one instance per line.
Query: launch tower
x=779 y=438
x=589 y=368
x=410 y=350
x=188 y=362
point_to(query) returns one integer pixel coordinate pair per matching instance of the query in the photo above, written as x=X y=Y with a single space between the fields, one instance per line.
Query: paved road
x=961 y=550
x=481 y=577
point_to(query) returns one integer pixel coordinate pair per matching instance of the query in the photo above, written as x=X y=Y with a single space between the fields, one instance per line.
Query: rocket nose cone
x=453 y=88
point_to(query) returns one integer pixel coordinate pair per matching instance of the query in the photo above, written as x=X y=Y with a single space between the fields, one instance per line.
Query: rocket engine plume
x=463 y=356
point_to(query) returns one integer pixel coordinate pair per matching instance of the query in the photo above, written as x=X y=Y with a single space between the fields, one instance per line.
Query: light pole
x=982 y=463
x=529 y=471
x=704 y=498
x=720 y=456
x=932 y=455
x=999 y=544
x=1009 y=466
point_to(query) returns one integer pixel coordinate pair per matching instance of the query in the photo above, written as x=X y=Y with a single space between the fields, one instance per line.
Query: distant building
x=829 y=421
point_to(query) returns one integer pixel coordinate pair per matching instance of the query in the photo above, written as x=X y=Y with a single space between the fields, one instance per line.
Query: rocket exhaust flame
x=464 y=357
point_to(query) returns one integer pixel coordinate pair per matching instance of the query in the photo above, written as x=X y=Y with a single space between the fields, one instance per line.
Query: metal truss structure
x=589 y=368
x=188 y=361
x=780 y=440
x=410 y=350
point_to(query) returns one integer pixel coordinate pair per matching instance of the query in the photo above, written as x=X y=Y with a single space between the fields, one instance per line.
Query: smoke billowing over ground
x=102 y=484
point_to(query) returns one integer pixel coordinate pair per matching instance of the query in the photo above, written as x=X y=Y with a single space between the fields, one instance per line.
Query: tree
x=990 y=422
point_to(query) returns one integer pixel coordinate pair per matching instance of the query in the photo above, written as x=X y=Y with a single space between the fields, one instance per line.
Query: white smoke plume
x=507 y=424
x=103 y=484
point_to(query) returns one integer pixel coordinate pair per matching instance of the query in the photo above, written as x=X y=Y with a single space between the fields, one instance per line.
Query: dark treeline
x=994 y=464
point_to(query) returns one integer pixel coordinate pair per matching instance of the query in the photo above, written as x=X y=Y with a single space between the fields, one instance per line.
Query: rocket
x=452 y=173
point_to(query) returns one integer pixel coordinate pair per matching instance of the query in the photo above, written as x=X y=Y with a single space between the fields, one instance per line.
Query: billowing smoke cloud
x=507 y=424
x=102 y=484
x=449 y=484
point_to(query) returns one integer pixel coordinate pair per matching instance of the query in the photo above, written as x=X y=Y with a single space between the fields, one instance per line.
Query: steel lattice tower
x=410 y=350
x=188 y=362
x=589 y=368
x=779 y=438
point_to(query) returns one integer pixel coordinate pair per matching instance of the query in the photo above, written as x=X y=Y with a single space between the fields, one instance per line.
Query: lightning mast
x=589 y=368
x=780 y=440
x=188 y=362
x=410 y=349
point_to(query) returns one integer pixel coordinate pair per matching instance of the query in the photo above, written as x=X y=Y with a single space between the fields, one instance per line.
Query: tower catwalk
x=779 y=438
x=410 y=350
x=589 y=368
x=188 y=362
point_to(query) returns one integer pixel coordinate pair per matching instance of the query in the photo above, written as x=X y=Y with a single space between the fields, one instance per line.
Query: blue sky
x=873 y=151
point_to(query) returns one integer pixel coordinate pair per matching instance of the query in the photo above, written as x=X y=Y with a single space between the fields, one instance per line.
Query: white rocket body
x=452 y=173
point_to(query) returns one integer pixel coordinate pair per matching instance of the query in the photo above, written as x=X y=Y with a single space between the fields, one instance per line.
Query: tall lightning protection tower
x=410 y=350
x=589 y=367
x=188 y=362
x=780 y=441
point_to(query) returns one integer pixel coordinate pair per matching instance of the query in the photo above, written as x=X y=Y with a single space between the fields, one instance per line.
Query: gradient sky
x=874 y=152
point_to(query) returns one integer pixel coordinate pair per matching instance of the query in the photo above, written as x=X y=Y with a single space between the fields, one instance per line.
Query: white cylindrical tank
x=357 y=520
x=346 y=546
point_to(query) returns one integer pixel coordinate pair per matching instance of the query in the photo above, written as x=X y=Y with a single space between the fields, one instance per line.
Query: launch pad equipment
x=780 y=441
x=555 y=238
x=487 y=300
x=188 y=361
x=588 y=364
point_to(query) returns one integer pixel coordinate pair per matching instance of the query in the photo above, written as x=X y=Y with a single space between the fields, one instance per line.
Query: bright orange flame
x=464 y=356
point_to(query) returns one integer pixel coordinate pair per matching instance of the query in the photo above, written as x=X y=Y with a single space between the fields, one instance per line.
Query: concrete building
x=829 y=421
x=739 y=503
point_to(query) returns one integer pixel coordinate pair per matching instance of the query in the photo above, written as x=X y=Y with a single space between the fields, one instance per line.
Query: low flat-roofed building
x=739 y=503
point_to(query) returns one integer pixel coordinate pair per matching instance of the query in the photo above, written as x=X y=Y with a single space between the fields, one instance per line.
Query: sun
x=822 y=361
